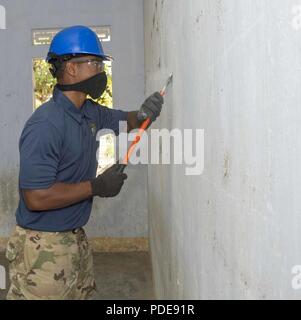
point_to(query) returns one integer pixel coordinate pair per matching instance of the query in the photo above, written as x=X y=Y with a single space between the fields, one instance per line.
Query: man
x=49 y=254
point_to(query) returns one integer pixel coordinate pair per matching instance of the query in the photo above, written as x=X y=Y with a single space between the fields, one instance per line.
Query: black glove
x=151 y=107
x=108 y=184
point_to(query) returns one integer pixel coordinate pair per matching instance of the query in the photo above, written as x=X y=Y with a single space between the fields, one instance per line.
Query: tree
x=44 y=84
x=43 y=88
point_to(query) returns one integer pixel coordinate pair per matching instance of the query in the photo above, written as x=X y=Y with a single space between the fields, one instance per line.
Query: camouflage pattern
x=50 y=265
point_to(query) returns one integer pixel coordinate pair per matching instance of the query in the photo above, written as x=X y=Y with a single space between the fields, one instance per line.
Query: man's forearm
x=60 y=195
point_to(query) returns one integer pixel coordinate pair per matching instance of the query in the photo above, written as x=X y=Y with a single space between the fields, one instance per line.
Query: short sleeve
x=39 y=146
x=110 y=118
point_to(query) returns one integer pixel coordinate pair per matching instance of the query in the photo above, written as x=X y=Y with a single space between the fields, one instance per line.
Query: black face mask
x=94 y=86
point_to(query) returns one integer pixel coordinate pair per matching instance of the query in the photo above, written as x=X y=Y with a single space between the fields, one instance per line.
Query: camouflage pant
x=50 y=265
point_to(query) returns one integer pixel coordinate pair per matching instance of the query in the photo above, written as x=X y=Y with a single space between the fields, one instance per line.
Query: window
x=43 y=84
x=45 y=36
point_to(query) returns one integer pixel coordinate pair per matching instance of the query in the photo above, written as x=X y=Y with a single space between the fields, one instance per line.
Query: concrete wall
x=125 y=216
x=233 y=232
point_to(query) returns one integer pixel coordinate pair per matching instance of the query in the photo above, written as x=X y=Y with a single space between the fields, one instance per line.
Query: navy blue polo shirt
x=58 y=144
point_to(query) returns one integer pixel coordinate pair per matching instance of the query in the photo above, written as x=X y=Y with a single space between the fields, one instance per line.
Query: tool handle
x=145 y=124
x=143 y=127
x=121 y=168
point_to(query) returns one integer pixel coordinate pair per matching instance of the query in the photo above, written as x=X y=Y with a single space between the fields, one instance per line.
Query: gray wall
x=125 y=216
x=233 y=232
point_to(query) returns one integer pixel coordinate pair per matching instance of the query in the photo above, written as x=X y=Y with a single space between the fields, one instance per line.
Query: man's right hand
x=109 y=183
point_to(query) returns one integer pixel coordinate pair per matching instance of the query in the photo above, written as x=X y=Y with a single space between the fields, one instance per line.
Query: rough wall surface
x=125 y=216
x=234 y=231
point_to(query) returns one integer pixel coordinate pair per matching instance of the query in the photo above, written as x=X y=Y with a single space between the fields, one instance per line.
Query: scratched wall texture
x=234 y=231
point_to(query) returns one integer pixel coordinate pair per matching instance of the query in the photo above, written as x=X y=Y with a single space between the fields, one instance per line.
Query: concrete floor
x=119 y=276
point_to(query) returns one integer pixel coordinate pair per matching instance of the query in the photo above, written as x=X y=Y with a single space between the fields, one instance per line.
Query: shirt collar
x=67 y=104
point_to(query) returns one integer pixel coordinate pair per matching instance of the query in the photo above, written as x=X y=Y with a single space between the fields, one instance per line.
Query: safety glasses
x=96 y=63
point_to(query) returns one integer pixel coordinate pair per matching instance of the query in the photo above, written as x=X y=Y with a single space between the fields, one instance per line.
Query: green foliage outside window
x=43 y=89
x=44 y=84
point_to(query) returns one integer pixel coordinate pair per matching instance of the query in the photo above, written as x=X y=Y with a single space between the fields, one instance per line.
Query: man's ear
x=70 y=68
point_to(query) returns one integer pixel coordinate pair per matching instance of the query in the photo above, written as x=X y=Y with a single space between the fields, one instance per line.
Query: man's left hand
x=151 y=107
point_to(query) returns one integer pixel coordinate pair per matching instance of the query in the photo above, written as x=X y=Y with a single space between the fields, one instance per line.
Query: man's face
x=83 y=68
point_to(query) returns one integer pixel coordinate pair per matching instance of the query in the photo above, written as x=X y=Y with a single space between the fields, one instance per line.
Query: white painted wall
x=234 y=231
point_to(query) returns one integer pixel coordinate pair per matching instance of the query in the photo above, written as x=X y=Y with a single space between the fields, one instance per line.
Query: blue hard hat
x=76 y=40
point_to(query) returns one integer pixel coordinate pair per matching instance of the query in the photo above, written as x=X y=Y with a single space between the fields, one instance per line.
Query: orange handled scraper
x=143 y=127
